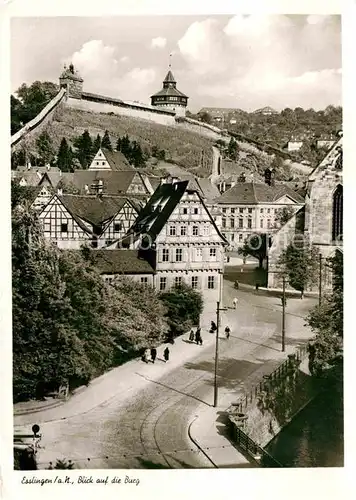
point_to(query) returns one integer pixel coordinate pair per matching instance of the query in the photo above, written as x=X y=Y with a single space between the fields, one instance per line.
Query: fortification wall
x=98 y=107
x=40 y=120
x=200 y=128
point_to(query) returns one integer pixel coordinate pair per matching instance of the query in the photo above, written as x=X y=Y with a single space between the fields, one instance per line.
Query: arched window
x=337 y=214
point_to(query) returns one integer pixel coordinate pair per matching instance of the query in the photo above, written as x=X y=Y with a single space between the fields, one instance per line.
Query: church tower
x=72 y=81
x=169 y=97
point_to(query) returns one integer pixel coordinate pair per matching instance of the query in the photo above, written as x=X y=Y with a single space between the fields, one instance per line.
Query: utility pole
x=320 y=277
x=218 y=309
x=284 y=314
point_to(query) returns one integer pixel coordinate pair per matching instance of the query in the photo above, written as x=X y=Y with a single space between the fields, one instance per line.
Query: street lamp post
x=218 y=309
x=284 y=315
x=320 y=277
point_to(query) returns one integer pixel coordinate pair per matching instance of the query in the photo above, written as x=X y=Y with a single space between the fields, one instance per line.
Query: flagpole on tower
x=170 y=61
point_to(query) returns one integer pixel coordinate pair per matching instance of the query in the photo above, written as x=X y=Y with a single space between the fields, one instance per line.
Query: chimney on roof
x=59 y=191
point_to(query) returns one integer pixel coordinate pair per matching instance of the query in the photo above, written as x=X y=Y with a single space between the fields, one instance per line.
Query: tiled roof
x=120 y=261
x=114 y=181
x=22 y=168
x=32 y=178
x=171 y=91
x=56 y=177
x=253 y=193
x=117 y=160
x=93 y=209
x=169 y=77
x=208 y=190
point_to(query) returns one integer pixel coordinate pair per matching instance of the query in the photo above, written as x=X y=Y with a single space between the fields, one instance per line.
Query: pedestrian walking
x=147 y=356
x=166 y=354
x=200 y=340
x=227 y=333
x=213 y=327
x=191 y=336
x=234 y=302
x=197 y=335
x=144 y=358
x=153 y=354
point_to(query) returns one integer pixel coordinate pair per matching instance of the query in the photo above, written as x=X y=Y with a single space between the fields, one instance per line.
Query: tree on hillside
x=33 y=99
x=184 y=307
x=326 y=349
x=300 y=262
x=45 y=148
x=232 y=150
x=84 y=149
x=65 y=156
x=96 y=144
x=256 y=246
x=205 y=117
x=16 y=115
x=125 y=146
x=106 y=142
x=136 y=155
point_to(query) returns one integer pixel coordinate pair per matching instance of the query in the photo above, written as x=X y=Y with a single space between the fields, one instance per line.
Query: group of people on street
x=150 y=355
x=196 y=336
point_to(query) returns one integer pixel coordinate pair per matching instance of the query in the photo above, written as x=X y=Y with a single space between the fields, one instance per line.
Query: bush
x=184 y=306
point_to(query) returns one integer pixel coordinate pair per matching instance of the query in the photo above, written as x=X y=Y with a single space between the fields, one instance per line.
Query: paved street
x=143 y=420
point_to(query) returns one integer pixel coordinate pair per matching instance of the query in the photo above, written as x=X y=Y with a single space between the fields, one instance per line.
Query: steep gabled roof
x=118 y=261
x=158 y=209
x=117 y=160
x=94 y=210
x=253 y=193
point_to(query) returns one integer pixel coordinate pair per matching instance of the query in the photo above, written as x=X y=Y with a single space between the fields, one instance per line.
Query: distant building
x=325 y=142
x=294 y=144
x=250 y=208
x=266 y=111
x=169 y=97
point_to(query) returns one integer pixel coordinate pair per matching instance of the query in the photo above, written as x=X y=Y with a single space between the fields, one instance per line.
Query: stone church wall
x=319 y=211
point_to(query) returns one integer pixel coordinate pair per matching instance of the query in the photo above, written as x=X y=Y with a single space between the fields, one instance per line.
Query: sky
x=237 y=61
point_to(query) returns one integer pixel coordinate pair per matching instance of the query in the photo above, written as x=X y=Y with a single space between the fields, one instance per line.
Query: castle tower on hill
x=72 y=81
x=169 y=97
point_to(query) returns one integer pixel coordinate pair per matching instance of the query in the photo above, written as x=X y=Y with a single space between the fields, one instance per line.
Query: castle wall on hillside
x=123 y=110
x=37 y=123
x=199 y=129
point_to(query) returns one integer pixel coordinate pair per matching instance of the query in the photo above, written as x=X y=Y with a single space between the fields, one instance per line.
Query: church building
x=169 y=97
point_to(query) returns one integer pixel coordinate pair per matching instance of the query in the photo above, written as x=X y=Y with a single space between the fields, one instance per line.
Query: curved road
x=148 y=427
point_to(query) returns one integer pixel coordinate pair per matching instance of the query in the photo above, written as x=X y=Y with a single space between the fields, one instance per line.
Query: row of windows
x=179 y=254
x=241 y=210
x=185 y=210
x=178 y=281
x=182 y=231
x=240 y=223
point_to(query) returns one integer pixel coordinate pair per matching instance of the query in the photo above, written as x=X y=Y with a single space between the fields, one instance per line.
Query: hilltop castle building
x=169 y=97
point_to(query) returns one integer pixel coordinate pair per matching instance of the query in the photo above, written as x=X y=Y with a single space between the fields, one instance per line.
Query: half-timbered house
x=72 y=220
x=177 y=235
